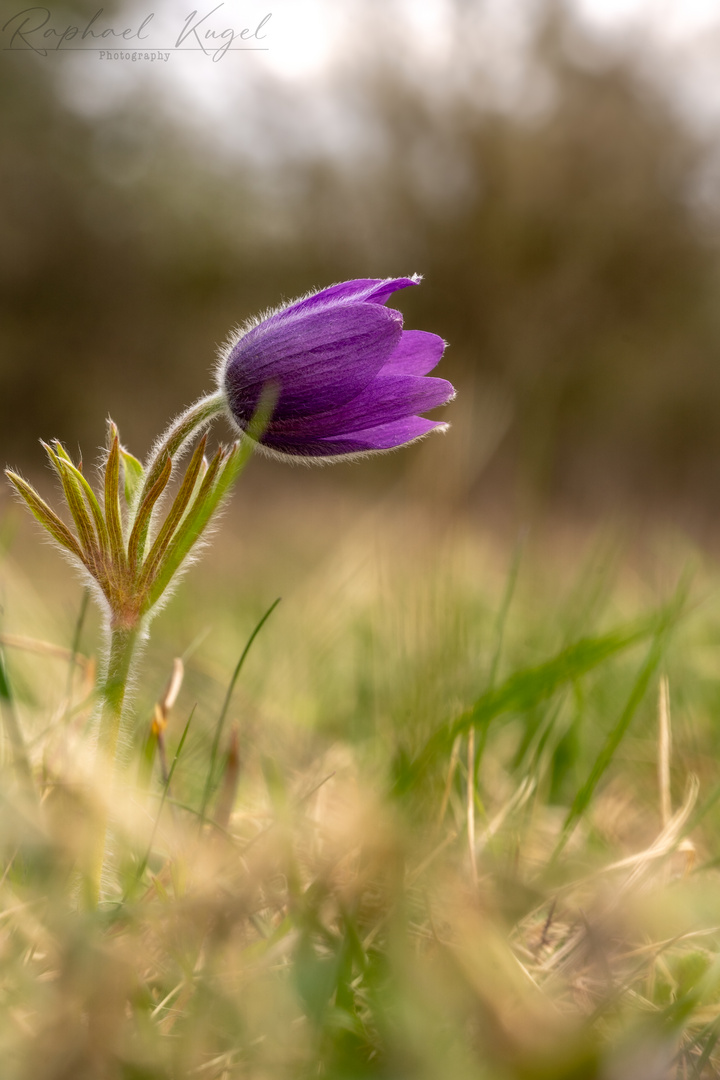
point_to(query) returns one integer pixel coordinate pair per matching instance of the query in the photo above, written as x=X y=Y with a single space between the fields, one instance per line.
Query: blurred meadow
x=465 y=815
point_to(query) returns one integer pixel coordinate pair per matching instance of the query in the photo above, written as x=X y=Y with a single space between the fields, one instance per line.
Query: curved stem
x=173 y=441
x=123 y=643
x=168 y=449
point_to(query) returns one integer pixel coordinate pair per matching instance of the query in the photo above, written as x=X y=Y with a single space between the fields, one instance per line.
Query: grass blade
x=226 y=705
x=75 y=647
x=523 y=690
x=584 y=795
x=502 y=617
x=12 y=728
x=166 y=789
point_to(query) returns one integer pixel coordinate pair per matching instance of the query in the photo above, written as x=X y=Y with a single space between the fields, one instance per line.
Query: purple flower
x=349 y=379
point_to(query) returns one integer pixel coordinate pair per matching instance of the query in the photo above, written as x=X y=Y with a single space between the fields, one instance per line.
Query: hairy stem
x=164 y=455
x=123 y=643
x=181 y=430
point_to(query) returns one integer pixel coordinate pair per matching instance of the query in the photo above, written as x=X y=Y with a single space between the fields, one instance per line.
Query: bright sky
x=681 y=40
x=307 y=40
x=675 y=20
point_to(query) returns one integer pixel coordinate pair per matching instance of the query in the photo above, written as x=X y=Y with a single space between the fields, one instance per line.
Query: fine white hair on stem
x=126 y=731
x=174 y=445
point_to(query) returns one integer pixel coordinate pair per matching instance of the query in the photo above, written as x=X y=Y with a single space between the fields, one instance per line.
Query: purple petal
x=382 y=290
x=386 y=399
x=321 y=360
x=365 y=290
x=417 y=353
x=381 y=437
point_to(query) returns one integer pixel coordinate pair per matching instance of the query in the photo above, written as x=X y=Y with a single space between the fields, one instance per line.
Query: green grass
x=425 y=834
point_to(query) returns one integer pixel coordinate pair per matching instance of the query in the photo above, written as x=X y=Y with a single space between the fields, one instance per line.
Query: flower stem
x=181 y=430
x=123 y=642
x=122 y=650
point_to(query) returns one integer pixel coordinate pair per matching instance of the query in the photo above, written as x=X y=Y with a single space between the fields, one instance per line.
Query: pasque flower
x=348 y=379
x=331 y=375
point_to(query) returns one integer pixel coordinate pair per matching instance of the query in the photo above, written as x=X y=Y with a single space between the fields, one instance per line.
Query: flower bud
x=348 y=379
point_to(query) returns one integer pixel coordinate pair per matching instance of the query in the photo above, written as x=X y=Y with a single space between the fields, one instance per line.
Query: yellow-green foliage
x=360 y=902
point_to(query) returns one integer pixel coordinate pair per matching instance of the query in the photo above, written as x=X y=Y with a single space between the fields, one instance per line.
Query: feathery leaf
x=47 y=517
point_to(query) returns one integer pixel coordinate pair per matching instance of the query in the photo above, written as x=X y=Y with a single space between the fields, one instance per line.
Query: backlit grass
x=456 y=827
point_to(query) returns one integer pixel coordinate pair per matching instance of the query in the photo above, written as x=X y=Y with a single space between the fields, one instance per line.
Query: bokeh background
x=553 y=169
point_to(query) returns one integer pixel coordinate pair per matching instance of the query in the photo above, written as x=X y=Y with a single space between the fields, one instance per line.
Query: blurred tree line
x=564 y=260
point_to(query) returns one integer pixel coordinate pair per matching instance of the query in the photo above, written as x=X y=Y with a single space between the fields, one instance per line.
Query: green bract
x=118 y=539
